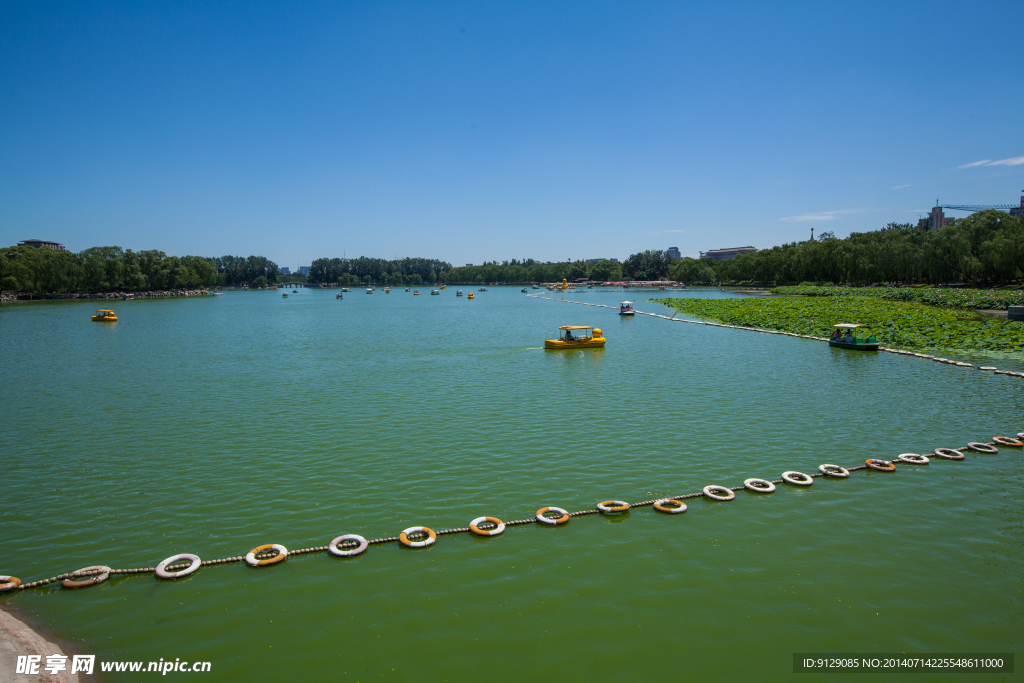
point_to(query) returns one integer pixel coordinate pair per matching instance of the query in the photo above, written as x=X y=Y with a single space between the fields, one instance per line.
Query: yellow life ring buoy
x=404 y=539
x=552 y=520
x=613 y=506
x=663 y=506
x=1008 y=441
x=880 y=465
x=282 y=553
x=499 y=526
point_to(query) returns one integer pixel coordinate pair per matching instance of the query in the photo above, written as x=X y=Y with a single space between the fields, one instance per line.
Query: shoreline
x=151 y=294
x=19 y=636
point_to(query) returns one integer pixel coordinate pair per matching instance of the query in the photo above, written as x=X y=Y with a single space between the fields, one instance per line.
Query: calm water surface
x=211 y=425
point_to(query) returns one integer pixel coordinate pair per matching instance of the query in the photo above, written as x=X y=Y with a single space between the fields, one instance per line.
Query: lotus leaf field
x=899 y=324
x=992 y=299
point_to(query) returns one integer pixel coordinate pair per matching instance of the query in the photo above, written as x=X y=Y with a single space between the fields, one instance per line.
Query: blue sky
x=477 y=130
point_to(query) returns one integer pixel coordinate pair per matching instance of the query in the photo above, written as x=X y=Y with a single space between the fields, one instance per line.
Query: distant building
x=936 y=219
x=284 y=270
x=673 y=253
x=592 y=261
x=469 y=265
x=1018 y=211
x=42 y=243
x=303 y=270
x=724 y=254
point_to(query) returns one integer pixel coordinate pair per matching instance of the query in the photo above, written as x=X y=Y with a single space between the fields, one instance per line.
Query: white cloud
x=1015 y=161
x=900 y=187
x=1012 y=161
x=822 y=215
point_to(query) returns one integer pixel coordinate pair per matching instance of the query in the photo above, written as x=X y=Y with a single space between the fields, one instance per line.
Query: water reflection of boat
x=581 y=340
x=104 y=315
x=843 y=337
x=626 y=308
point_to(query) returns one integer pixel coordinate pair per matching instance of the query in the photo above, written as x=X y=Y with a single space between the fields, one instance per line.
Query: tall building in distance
x=673 y=253
x=303 y=270
x=936 y=219
x=724 y=254
x=284 y=270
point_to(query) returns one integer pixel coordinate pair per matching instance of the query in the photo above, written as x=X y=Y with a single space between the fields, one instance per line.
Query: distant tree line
x=365 y=270
x=100 y=269
x=113 y=269
x=986 y=246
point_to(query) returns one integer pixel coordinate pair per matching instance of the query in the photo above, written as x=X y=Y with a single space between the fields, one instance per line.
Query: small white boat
x=458 y=293
x=626 y=308
x=369 y=290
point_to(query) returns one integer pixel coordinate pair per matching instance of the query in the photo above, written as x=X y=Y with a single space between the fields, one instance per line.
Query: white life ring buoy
x=404 y=539
x=612 y=506
x=759 y=485
x=499 y=526
x=913 y=459
x=250 y=557
x=104 y=574
x=335 y=546
x=715 y=492
x=979 y=447
x=161 y=569
x=834 y=471
x=549 y=520
x=949 y=453
x=663 y=506
x=797 y=478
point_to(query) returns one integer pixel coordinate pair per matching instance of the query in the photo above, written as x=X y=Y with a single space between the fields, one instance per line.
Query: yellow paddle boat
x=104 y=315
x=416 y=293
x=470 y=296
x=576 y=337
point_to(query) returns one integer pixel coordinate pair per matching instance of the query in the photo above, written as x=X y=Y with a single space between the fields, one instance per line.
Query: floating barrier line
x=902 y=352
x=91 y=576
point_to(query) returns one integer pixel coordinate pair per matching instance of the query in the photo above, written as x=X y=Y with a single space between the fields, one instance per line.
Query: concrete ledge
x=18 y=638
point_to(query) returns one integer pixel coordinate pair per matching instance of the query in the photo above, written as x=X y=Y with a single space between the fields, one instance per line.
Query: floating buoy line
x=902 y=352
x=350 y=545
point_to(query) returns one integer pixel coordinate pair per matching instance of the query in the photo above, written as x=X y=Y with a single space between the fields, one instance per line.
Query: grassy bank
x=950 y=298
x=899 y=324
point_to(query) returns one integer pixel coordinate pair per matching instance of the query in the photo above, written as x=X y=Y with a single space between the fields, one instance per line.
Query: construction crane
x=979 y=207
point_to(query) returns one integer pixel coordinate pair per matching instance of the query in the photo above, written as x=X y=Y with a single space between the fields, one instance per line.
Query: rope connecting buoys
x=978 y=447
x=499 y=526
x=759 y=485
x=834 y=471
x=161 y=569
x=351 y=544
x=102 y=574
x=670 y=506
x=797 y=478
x=613 y=506
x=542 y=517
x=336 y=548
x=1008 y=441
x=716 y=492
x=252 y=561
x=404 y=539
x=880 y=465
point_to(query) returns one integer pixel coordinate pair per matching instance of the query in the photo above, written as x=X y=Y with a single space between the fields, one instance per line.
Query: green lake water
x=212 y=425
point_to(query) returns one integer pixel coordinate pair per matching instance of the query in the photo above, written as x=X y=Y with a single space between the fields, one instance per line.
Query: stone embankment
x=23 y=296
